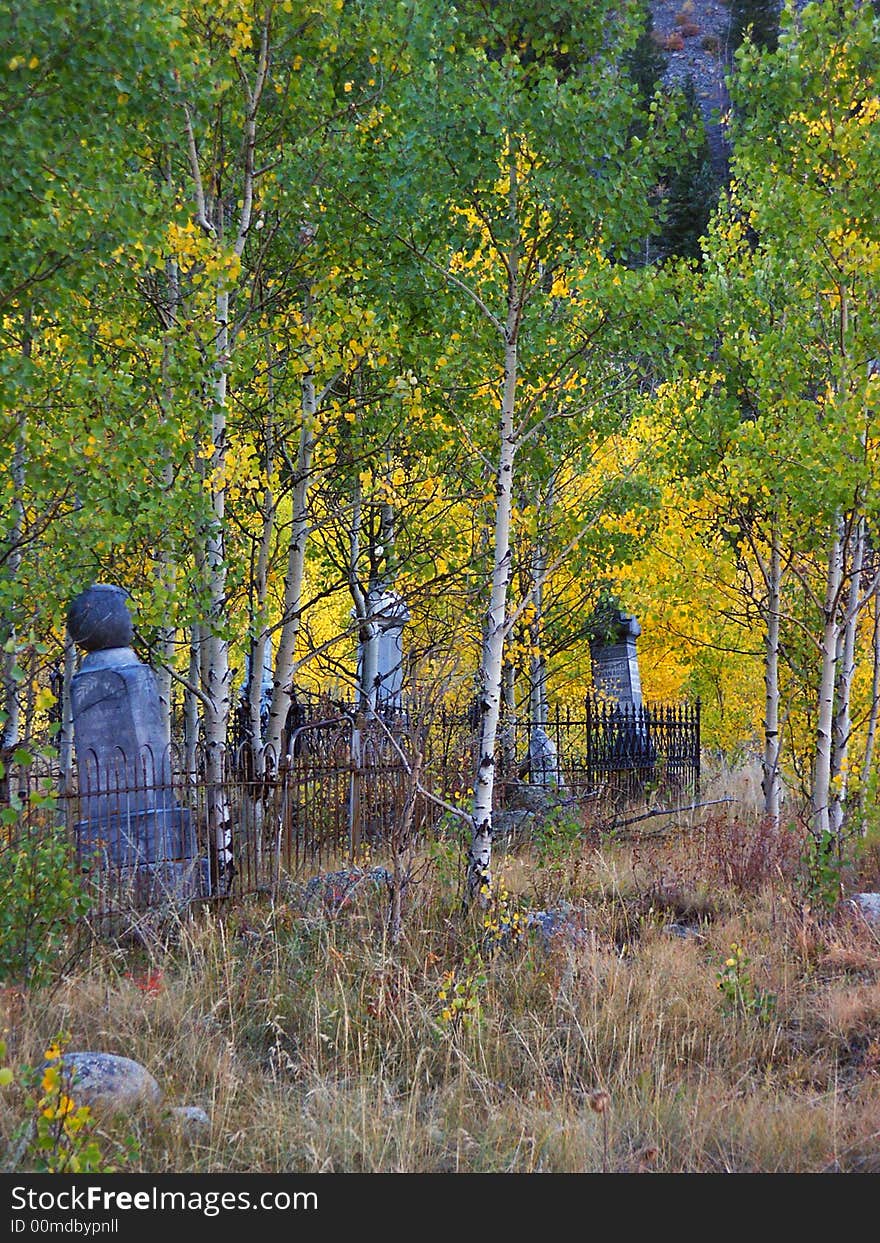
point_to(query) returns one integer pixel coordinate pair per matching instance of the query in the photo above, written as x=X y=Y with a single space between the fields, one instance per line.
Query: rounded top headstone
x=98 y=618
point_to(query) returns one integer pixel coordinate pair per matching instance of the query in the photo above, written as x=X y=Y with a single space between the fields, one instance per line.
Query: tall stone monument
x=613 y=656
x=615 y=663
x=380 y=659
x=130 y=821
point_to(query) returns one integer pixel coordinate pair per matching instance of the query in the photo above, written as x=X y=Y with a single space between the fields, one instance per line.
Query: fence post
x=697 y=755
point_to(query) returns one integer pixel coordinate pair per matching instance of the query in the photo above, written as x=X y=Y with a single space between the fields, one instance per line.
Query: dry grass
x=313 y=1046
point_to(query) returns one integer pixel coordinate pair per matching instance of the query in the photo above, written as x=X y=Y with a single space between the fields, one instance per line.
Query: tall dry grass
x=313 y=1045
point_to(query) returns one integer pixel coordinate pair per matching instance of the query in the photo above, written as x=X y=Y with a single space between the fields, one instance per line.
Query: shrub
x=40 y=901
x=748 y=855
x=673 y=42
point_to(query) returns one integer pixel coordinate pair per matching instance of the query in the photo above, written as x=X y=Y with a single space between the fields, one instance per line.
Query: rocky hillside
x=694 y=35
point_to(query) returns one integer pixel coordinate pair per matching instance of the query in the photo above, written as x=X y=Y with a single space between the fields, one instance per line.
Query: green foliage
x=61 y=1136
x=736 y=986
x=692 y=187
x=459 y=995
x=823 y=866
x=554 y=835
x=759 y=19
x=41 y=897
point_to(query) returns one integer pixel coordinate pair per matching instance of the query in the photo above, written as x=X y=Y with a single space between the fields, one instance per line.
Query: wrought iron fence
x=160 y=829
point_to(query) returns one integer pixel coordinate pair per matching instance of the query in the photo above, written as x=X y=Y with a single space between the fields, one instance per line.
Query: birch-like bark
x=479 y=870
x=871 y=733
x=538 y=708
x=821 y=791
x=11 y=703
x=191 y=703
x=260 y=640
x=216 y=667
x=480 y=857
x=216 y=645
x=771 y=782
x=842 y=724
x=9 y=685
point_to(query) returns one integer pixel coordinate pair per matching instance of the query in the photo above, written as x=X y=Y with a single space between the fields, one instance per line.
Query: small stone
x=557 y=926
x=684 y=931
x=338 y=889
x=868 y=904
x=192 y=1121
x=107 y=1083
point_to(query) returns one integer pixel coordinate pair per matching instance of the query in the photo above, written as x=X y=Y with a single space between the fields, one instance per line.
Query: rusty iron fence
x=616 y=753
x=172 y=827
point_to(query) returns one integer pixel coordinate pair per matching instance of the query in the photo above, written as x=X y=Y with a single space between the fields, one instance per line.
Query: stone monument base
x=151 y=855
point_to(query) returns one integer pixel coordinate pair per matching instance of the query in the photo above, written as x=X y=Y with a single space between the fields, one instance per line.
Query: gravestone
x=614 y=659
x=130 y=821
x=388 y=612
x=615 y=665
x=543 y=760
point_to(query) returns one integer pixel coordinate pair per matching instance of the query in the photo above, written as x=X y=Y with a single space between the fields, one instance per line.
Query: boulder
x=534 y=798
x=108 y=1083
x=868 y=904
x=192 y=1121
x=558 y=926
x=514 y=821
x=684 y=931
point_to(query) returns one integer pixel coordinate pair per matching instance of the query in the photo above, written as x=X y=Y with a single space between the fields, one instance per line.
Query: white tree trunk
x=10 y=688
x=771 y=782
x=166 y=561
x=821 y=791
x=538 y=665
x=218 y=673
x=871 y=735
x=479 y=873
x=842 y=725
x=8 y=684
x=191 y=702
x=479 y=868
x=260 y=642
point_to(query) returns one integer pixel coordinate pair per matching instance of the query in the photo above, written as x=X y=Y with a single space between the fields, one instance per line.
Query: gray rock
x=505 y=823
x=338 y=889
x=191 y=1120
x=557 y=926
x=107 y=1083
x=522 y=797
x=868 y=904
x=684 y=931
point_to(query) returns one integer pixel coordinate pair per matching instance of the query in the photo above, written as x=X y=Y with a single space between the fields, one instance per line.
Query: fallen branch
x=614 y=825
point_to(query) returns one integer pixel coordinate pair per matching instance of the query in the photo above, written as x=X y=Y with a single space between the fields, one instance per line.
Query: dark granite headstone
x=615 y=662
x=130 y=820
x=616 y=677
